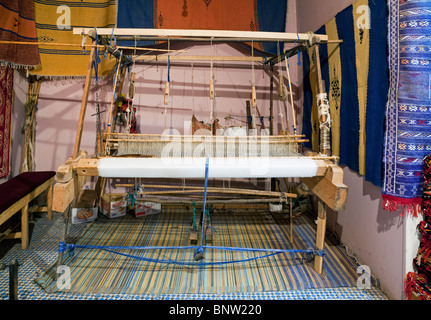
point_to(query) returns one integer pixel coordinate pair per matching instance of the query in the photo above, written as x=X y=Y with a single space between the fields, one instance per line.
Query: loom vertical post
x=271 y=101
x=291 y=218
x=113 y=96
x=66 y=215
x=13 y=278
x=24 y=227
x=199 y=253
x=320 y=235
x=324 y=150
x=292 y=105
x=194 y=230
x=84 y=103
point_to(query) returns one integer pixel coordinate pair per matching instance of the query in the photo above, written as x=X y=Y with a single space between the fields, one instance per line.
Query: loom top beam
x=177 y=34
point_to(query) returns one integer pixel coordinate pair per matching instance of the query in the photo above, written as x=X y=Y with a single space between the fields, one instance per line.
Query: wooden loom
x=321 y=173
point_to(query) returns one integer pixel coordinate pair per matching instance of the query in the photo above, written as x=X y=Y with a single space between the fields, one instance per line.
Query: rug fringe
x=408 y=207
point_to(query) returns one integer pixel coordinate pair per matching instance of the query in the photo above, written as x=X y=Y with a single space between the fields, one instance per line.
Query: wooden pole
x=271 y=102
x=188 y=189
x=84 y=103
x=49 y=201
x=200 y=58
x=24 y=227
x=291 y=97
x=178 y=34
x=84 y=46
x=320 y=236
x=322 y=119
x=113 y=100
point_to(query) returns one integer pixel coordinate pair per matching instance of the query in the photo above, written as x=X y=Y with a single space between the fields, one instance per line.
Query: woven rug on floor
x=95 y=271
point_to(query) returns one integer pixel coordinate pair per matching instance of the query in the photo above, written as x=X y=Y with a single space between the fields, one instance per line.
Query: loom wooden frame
x=327 y=185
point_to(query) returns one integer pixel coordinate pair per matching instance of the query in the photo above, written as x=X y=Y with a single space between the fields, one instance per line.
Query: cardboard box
x=114 y=205
x=85 y=209
x=83 y=215
x=147 y=208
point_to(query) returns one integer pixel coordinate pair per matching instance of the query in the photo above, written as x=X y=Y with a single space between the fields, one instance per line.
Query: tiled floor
x=42 y=253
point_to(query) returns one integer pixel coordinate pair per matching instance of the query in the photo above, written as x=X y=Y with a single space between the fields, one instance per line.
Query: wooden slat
x=64 y=173
x=24 y=227
x=200 y=58
x=240 y=36
x=87 y=167
x=65 y=193
x=49 y=201
x=329 y=188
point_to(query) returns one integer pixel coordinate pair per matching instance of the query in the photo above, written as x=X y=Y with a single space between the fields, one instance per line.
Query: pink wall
x=375 y=236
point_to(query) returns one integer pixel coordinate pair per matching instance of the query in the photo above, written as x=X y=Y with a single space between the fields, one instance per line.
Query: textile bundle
x=407 y=137
x=241 y=15
x=356 y=81
x=55 y=23
x=6 y=100
x=17 y=24
x=419 y=282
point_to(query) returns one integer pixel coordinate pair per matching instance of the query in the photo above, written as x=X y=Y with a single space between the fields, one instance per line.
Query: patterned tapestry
x=6 y=100
x=17 y=24
x=408 y=123
x=240 y=15
x=55 y=21
x=355 y=76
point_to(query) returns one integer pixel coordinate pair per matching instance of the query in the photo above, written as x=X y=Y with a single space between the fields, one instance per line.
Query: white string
x=193 y=90
x=325 y=120
x=211 y=80
x=167 y=82
x=253 y=80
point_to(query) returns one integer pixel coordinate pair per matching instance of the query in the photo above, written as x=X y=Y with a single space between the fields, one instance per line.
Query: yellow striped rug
x=95 y=271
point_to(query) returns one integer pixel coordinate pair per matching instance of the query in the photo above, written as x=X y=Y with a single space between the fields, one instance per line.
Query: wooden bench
x=18 y=192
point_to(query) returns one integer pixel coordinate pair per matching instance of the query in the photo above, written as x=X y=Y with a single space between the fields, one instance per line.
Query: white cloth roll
x=247 y=167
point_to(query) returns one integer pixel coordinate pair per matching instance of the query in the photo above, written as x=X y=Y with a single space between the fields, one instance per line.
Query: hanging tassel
x=410 y=284
x=212 y=88
x=282 y=89
x=253 y=97
x=166 y=98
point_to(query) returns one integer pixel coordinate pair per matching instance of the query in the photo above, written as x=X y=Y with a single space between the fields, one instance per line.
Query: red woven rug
x=6 y=100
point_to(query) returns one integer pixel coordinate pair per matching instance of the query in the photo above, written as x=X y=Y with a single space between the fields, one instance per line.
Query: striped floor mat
x=95 y=271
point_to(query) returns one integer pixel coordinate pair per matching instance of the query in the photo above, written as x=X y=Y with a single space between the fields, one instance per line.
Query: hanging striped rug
x=95 y=271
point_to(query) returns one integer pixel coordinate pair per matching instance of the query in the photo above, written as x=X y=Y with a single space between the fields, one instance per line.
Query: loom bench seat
x=18 y=192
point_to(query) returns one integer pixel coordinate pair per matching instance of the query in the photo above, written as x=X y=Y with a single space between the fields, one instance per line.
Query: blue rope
x=199 y=252
x=96 y=60
x=299 y=52
x=111 y=249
